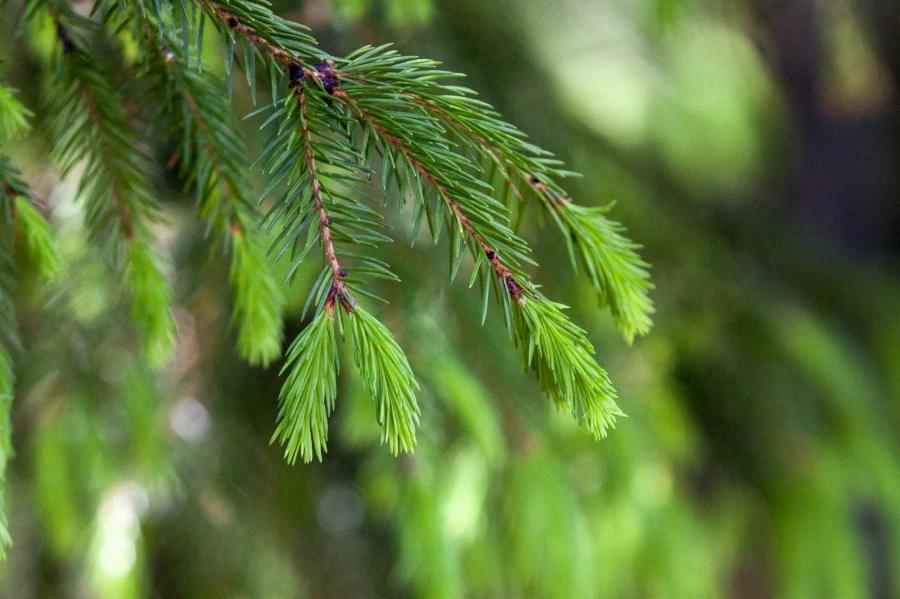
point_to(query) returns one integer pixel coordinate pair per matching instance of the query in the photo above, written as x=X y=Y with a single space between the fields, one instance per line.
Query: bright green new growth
x=18 y=216
x=212 y=163
x=561 y=355
x=150 y=297
x=389 y=379
x=258 y=302
x=613 y=265
x=13 y=115
x=308 y=395
x=40 y=241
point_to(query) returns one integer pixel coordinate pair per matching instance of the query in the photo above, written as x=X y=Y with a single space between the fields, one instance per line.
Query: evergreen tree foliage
x=760 y=456
x=337 y=125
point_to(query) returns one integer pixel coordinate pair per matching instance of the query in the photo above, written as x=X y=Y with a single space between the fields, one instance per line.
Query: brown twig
x=238 y=26
x=338 y=290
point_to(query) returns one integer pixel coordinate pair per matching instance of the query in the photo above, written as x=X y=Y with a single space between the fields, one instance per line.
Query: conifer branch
x=307 y=398
x=556 y=349
x=88 y=121
x=408 y=132
x=429 y=176
x=612 y=263
x=212 y=162
x=313 y=197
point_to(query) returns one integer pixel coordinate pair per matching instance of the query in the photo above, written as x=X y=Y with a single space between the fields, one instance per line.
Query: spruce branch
x=212 y=164
x=612 y=263
x=386 y=95
x=89 y=123
x=313 y=202
x=331 y=116
x=386 y=372
x=284 y=41
x=557 y=350
x=150 y=298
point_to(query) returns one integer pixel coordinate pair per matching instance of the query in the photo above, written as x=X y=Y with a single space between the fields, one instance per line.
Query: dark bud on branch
x=328 y=76
x=330 y=84
x=233 y=22
x=296 y=75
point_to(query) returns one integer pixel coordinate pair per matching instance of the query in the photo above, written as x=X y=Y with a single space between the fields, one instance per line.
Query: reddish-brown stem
x=491 y=150
x=238 y=26
x=503 y=273
x=338 y=290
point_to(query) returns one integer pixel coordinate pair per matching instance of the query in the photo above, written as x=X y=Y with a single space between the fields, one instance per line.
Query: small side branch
x=339 y=291
x=501 y=270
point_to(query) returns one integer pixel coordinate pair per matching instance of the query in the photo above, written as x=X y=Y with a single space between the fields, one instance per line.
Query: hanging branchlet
x=320 y=170
x=613 y=266
x=388 y=377
x=88 y=121
x=211 y=162
x=307 y=398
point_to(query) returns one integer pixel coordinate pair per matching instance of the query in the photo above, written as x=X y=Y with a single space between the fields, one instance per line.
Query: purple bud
x=297 y=75
x=330 y=84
